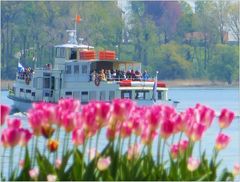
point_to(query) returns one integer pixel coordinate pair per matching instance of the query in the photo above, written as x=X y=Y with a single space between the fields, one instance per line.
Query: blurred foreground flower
x=51 y=178
x=222 y=141
x=236 y=169
x=4 y=112
x=33 y=173
x=226 y=117
x=52 y=145
x=58 y=163
x=193 y=164
x=103 y=163
x=133 y=151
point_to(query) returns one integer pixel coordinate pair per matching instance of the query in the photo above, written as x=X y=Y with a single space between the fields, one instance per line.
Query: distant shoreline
x=5 y=84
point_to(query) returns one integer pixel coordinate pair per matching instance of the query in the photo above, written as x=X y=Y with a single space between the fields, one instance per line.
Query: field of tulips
x=78 y=157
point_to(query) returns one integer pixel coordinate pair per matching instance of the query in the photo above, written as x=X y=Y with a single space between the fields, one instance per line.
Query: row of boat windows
x=27 y=91
x=68 y=69
x=127 y=94
x=91 y=95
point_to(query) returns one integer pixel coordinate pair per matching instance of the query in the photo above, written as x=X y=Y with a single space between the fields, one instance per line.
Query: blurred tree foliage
x=156 y=34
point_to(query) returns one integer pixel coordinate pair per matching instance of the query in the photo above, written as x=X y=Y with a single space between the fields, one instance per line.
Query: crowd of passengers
x=118 y=75
x=26 y=73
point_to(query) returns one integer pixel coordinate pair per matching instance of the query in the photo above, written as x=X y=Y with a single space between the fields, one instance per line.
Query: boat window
x=57 y=53
x=73 y=54
x=84 y=69
x=84 y=97
x=92 y=95
x=46 y=74
x=68 y=69
x=111 y=95
x=46 y=94
x=35 y=82
x=76 y=69
x=76 y=95
x=46 y=83
x=126 y=94
x=62 y=52
x=140 y=94
x=28 y=91
x=160 y=95
x=102 y=95
x=33 y=94
x=68 y=93
x=21 y=90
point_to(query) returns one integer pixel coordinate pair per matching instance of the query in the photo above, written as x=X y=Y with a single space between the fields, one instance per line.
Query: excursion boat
x=85 y=74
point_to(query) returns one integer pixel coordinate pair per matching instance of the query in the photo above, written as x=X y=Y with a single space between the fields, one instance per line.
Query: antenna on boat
x=73 y=33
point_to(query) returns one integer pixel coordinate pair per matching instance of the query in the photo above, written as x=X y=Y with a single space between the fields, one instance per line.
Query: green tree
x=224 y=65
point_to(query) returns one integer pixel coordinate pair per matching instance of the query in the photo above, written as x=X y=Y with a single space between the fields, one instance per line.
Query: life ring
x=97 y=81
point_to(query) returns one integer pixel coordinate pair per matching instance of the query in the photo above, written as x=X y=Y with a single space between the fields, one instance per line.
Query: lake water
x=216 y=98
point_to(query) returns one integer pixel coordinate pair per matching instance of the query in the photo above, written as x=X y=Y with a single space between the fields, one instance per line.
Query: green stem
x=32 y=151
x=89 y=148
x=2 y=159
x=35 y=150
x=20 y=156
x=57 y=138
x=67 y=142
x=96 y=145
x=158 y=149
x=84 y=148
x=200 y=148
x=164 y=143
x=64 y=143
x=172 y=139
x=10 y=162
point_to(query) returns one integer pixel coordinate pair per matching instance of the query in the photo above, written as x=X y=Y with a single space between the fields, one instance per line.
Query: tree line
x=168 y=36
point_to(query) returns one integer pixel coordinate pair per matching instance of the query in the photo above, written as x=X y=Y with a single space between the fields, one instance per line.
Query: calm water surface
x=216 y=98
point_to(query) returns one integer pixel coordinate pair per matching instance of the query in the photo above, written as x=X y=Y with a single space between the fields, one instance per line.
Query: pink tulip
x=103 y=163
x=207 y=114
x=111 y=134
x=193 y=164
x=10 y=137
x=226 y=117
x=58 y=163
x=222 y=141
x=14 y=123
x=236 y=169
x=167 y=128
x=148 y=135
x=153 y=115
x=33 y=173
x=21 y=163
x=196 y=131
x=68 y=121
x=36 y=118
x=183 y=145
x=4 y=113
x=133 y=152
x=93 y=153
x=174 y=151
x=121 y=109
x=51 y=178
x=25 y=136
x=126 y=129
x=78 y=137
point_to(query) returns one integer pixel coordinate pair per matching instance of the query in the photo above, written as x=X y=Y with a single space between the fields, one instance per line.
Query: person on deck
x=145 y=75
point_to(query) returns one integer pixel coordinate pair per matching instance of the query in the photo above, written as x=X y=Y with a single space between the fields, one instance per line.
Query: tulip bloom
x=52 y=145
x=33 y=173
x=192 y=164
x=51 y=178
x=58 y=163
x=133 y=151
x=222 y=141
x=4 y=113
x=226 y=117
x=183 y=145
x=174 y=151
x=167 y=128
x=14 y=123
x=10 y=137
x=236 y=170
x=21 y=163
x=25 y=136
x=103 y=163
x=78 y=137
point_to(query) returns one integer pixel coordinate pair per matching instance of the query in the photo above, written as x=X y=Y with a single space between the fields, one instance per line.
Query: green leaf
x=226 y=176
x=60 y=172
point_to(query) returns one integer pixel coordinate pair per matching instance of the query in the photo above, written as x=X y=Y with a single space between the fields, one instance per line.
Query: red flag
x=78 y=19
